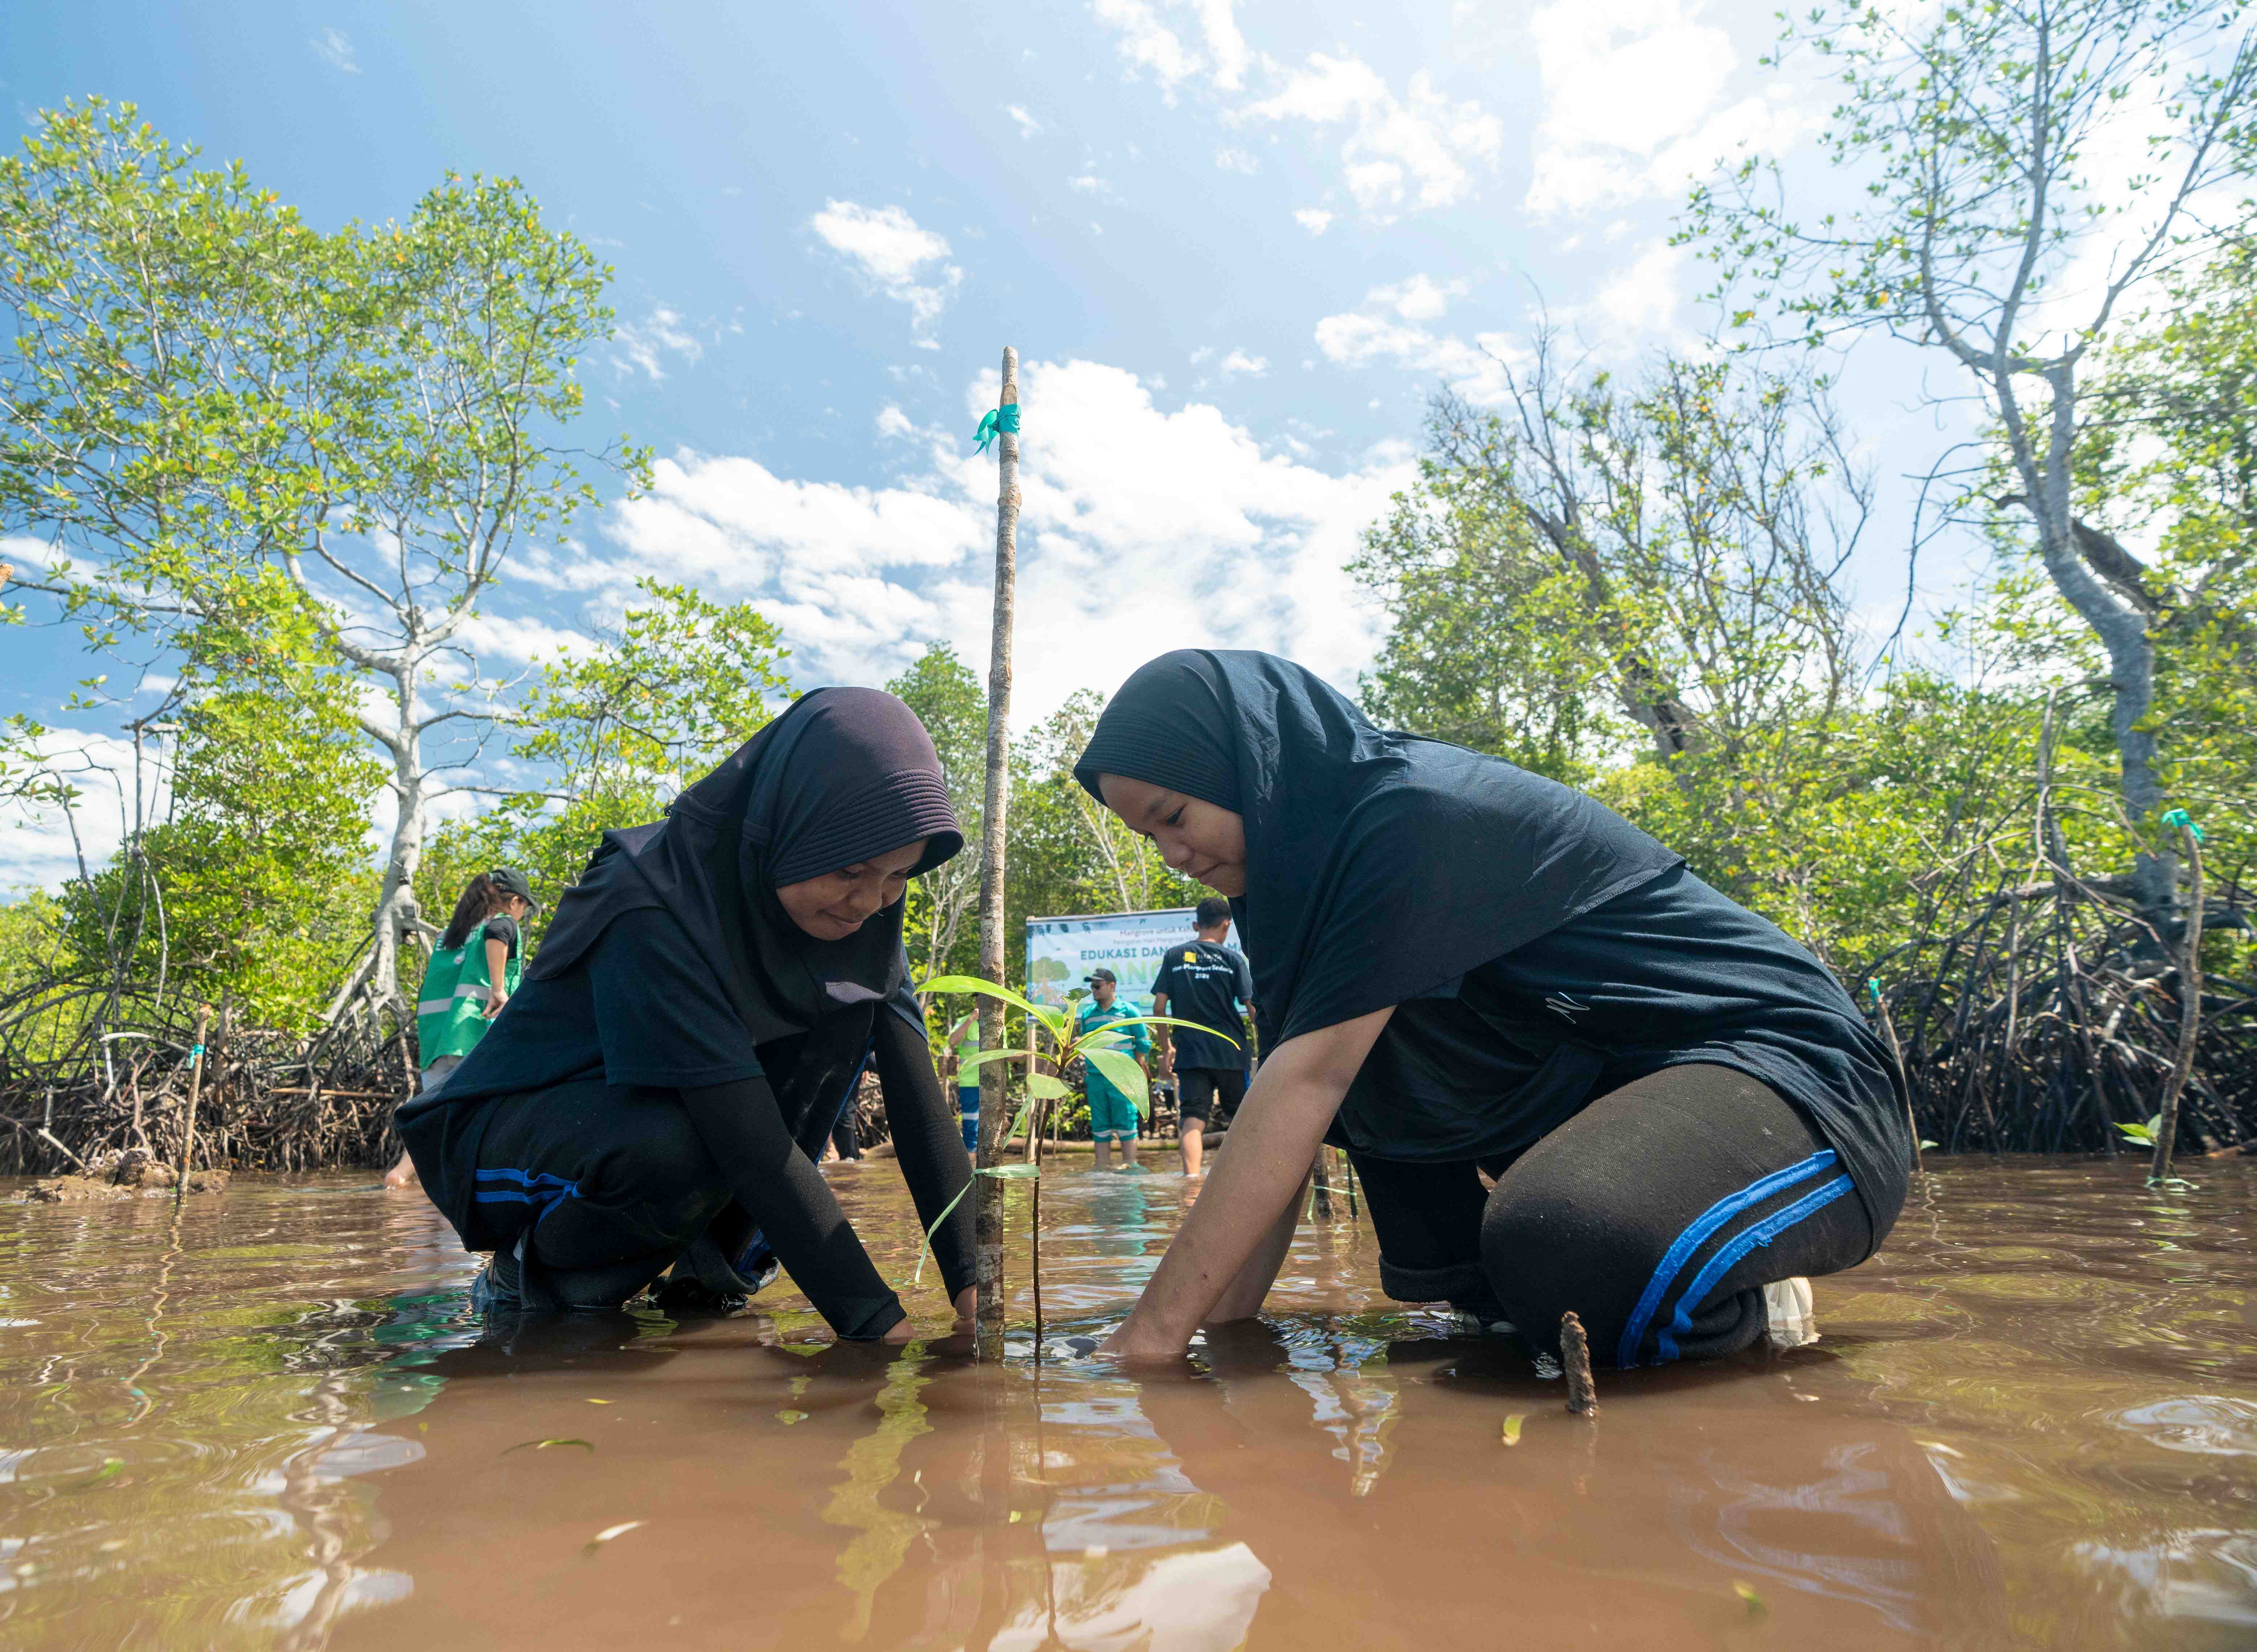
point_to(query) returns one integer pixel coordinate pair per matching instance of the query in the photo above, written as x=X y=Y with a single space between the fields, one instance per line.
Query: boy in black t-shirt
x=1205 y=981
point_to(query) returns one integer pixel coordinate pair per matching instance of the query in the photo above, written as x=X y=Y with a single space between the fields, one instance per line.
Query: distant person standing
x=1112 y=1115
x=473 y=970
x=964 y=1039
x=1205 y=981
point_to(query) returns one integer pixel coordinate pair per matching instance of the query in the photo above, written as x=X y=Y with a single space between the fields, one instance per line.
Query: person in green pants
x=1112 y=1115
x=473 y=970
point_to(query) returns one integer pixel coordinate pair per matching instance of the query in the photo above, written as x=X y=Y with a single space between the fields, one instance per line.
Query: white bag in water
x=1788 y=1306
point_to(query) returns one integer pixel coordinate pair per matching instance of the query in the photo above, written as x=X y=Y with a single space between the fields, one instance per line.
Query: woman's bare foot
x=401 y=1175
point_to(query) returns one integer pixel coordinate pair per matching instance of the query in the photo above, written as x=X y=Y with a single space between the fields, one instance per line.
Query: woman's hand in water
x=1228 y=1251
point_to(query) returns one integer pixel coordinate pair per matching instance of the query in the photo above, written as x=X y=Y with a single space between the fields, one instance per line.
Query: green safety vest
x=968 y=1050
x=450 y=1015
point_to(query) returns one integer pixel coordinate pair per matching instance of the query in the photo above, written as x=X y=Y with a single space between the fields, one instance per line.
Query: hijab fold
x=1380 y=866
x=842 y=776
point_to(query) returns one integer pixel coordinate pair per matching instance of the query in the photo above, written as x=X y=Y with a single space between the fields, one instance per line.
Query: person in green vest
x=474 y=968
x=964 y=1039
x=1112 y=1115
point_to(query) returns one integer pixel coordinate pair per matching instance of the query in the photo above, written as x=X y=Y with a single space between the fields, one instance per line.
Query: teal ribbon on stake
x=2180 y=818
x=1003 y=421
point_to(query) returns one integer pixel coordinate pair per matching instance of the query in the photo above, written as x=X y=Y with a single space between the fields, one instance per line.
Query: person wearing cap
x=1112 y=1115
x=473 y=970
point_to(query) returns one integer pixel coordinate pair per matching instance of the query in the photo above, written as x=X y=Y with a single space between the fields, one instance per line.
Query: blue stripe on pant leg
x=1693 y=1237
x=1762 y=1233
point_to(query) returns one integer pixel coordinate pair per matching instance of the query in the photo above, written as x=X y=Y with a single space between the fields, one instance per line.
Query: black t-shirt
x=638 y=1011
x=1205 y=981
x=503 y=928
x=1670 y=972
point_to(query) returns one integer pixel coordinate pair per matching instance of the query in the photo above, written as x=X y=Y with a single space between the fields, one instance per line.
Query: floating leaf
x=599 y=1402
x=789 y=1417
x=1512 y=1428
x=110 y=1469
x=542 y=1445
x=1757 y=1606
x=610 y=1532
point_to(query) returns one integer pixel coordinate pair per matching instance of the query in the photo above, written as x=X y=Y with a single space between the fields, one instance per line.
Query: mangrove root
x=1575 y=1360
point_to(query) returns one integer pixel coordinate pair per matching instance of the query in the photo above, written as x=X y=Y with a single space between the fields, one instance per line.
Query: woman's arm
x=496 y=968
x=742 y=1127
x=929 y=1148
x=1223 y=1259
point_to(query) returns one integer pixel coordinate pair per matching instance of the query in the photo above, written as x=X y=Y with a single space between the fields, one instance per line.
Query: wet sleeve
x=660 y=1017
x=930 y=1146
x=742 y=1127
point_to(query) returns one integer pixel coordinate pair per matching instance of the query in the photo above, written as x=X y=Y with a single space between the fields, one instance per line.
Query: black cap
x=511 y=881
x=1095 y=976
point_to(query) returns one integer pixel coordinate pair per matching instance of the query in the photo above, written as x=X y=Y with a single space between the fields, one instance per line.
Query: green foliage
x=951 y=703
x=619 y=731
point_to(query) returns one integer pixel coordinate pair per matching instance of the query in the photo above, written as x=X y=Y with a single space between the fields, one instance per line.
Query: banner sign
x=1061 y=952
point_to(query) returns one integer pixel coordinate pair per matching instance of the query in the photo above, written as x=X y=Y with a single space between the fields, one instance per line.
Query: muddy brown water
x=268 y=1422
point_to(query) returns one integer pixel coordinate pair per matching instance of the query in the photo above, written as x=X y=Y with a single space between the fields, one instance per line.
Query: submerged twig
x=1575 y=1360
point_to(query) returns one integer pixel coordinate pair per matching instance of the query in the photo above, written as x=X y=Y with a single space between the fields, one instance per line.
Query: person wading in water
x=1462 y=968
x=1205 y=983
x=473 y=970
x=699 y=1013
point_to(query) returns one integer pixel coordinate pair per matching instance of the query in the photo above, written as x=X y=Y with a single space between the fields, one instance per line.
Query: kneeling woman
x=700 y=1011
x=1464 y=968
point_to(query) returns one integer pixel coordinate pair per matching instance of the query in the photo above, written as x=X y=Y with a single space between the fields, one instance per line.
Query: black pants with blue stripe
x=1658 y=1214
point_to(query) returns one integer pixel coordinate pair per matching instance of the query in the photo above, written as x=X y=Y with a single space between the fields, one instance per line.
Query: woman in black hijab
x=1463 y=970
x=700 y=1011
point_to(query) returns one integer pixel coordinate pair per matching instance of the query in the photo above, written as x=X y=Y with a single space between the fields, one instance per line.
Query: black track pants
x=1657 y=1214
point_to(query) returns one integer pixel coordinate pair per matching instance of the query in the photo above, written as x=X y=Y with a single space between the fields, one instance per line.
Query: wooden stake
x=994 y=1096
x=2167 y=1128
x=196 y=1091
x=1575 y=1360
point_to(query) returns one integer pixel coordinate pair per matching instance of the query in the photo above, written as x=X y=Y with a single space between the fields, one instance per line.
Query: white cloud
x=1028 y=125
x=907 y=264
x=1635 y=102
x=1421 y=143
x=1643 y=297
x=642 y=344
x=1139 y=528
x=1147 y=43
x=1315 y=220
x=1237 y=160
x=1386 y=329
x=1420 y=299
x=1239 y=362
x=1090 y=183
x=334 y=48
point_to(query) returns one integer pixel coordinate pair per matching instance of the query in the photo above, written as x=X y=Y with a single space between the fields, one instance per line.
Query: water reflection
x=267 y=1423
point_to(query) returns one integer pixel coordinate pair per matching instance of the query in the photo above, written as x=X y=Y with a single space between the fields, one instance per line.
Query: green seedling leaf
x=1926 y=1144
x=918 y=1277
x=110 y=1469
x=987 y=1055
x=1124 y=1075
x=1170 y=1021
x=2140 y=1133
x=610 y=1532
x=985 y=989
x=542 y=1445
x=1755 y=1603
x=1049 y=1087
x=1012 y=1172
x=1512 y=1428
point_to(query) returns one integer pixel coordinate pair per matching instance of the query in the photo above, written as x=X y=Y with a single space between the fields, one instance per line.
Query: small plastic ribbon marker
x=2180 y=818
x=996 y=421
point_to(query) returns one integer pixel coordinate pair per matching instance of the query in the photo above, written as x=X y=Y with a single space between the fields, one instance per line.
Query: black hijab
x=1380 y=866
x=843 y=775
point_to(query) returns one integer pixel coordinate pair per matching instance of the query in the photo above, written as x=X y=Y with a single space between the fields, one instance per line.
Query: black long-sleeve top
x=632 y=1014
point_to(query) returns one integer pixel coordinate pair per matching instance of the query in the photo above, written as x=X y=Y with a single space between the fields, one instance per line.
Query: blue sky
x=1238 y=246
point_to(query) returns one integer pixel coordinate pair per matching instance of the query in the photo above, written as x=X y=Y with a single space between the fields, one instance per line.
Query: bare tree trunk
x=987 y=1227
